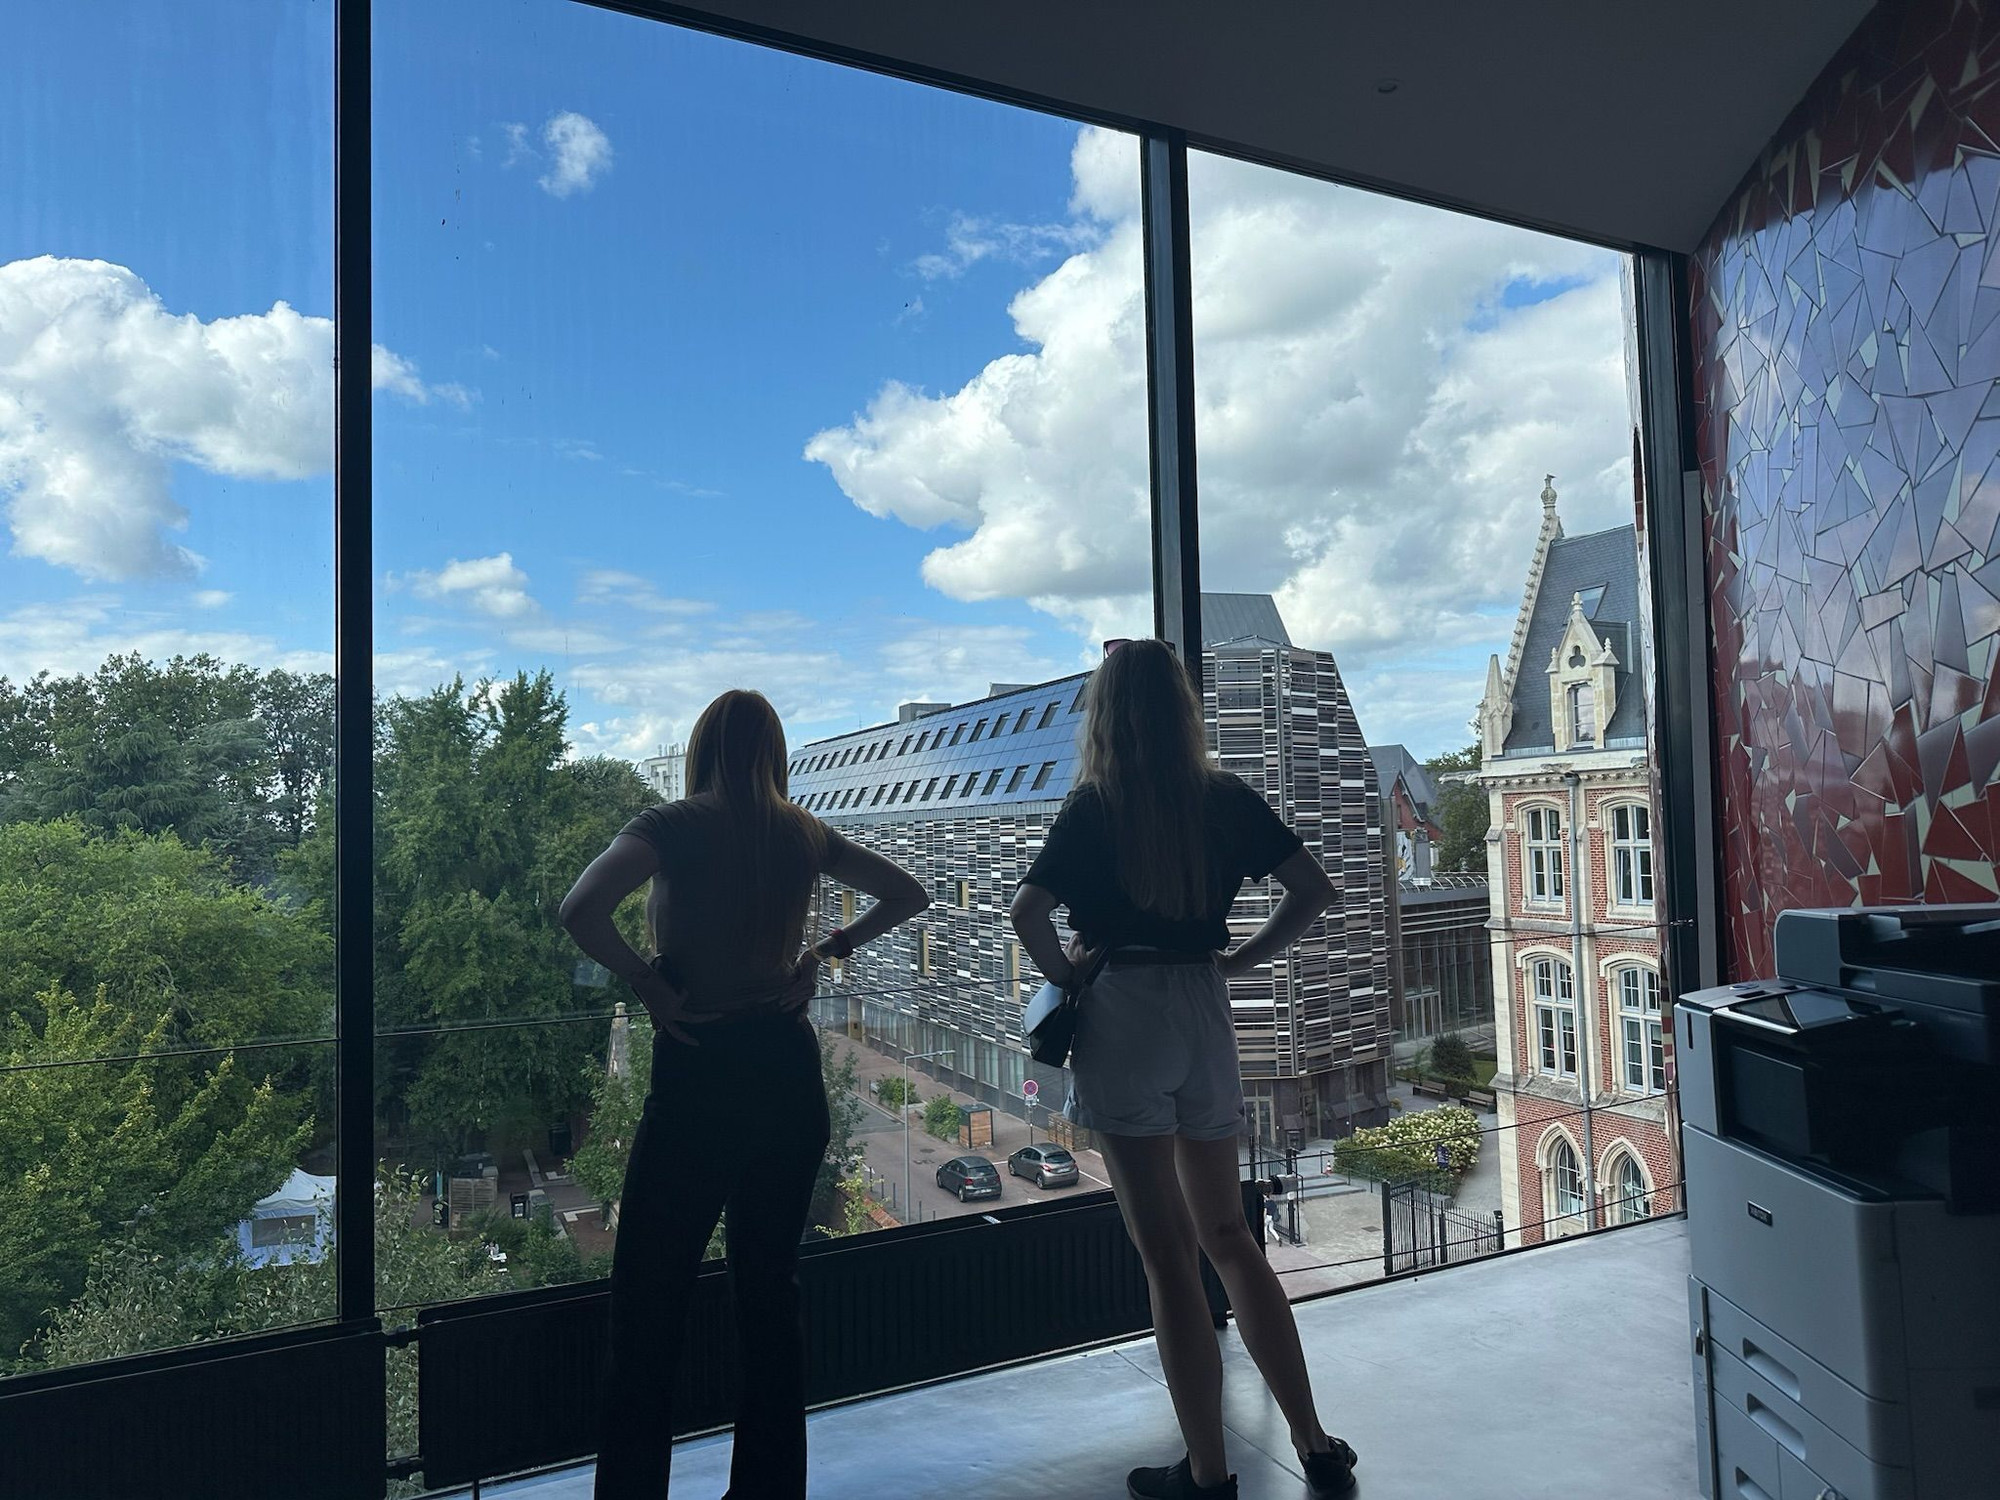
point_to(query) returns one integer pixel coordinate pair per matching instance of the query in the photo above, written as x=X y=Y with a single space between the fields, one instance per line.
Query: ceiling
x=1620 y=122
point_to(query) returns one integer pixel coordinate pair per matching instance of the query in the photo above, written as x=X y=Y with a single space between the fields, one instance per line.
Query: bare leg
x=1211 y=1187
x=1149 y=1196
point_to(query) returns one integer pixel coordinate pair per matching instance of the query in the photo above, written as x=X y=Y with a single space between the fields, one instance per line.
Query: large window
x=1565 y=1195
x=694 y=365
x=1644 y=1047
x=730 y=369
x=1632 y=854
x=168 y=1110
x=1634 y=1199
x=1542 y=852
x=1554 y=989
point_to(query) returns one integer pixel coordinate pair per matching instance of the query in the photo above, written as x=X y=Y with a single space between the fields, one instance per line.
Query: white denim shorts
x=1155 y=1054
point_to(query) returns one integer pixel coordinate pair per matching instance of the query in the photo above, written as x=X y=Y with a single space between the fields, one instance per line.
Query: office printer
x=1841 y=1144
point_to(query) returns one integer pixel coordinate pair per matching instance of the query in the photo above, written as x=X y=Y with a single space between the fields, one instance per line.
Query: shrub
x=1405 y=1149
x=892 y=1093
x=1451 y=1057
x=941 y=1118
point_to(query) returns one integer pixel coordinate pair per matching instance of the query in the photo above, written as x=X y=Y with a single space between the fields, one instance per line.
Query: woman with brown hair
x=733 y=866
x=1148 y=854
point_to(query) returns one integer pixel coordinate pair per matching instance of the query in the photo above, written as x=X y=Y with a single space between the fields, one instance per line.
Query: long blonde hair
x=1145 y=753
x=736 y=753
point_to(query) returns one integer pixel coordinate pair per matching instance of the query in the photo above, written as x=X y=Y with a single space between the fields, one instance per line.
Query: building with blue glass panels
x=963 y=795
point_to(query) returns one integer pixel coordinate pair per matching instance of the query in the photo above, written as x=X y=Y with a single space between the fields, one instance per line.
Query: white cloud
x=389 y=371
x=1374 y=421
x=969 y=240
x=103 y=391
x=518 y=149
x=610 y=587
x=77 y=634
x=210 y=598
x=491 y=585
x=580 y=153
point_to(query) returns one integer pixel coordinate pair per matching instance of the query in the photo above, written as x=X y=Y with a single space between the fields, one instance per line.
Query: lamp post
x=909 y=1058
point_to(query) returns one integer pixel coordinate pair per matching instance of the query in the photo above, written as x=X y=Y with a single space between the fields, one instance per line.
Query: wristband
x=836 y=944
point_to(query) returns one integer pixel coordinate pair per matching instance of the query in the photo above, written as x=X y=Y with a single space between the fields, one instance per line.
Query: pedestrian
x=732 y=867
x=1148 y=853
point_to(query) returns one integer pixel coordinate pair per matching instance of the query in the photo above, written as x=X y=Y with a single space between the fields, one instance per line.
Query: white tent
x=293 y=1224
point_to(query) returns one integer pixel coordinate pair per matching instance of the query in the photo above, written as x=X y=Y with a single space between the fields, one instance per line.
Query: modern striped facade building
x=962 y=796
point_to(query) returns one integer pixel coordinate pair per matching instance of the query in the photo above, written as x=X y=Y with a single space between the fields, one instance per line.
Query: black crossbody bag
x=1049 y=1022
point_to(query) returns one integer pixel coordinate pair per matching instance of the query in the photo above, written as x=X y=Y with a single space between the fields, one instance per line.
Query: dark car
x=970 y=1177
x=1045 y=1166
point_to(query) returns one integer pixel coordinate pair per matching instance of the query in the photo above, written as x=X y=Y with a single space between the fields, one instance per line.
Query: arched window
x=1632 y=854
x=1542 y=845
x=1635 y=1200
x=1644 y=1047
x=1565 y=1181
x=1554 y=987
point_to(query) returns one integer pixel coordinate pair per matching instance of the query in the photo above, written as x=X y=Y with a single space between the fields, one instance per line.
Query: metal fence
x=1420 y=1229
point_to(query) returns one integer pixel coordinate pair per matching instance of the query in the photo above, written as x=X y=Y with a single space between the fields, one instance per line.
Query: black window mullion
x=354 y=668
x=1163 y=187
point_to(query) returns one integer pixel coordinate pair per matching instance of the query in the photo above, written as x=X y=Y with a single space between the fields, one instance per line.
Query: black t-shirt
x=1079 y=867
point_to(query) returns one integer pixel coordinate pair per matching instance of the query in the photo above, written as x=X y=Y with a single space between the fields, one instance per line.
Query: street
x=880 y=1134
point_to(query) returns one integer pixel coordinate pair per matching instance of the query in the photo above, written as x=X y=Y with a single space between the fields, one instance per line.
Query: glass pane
x=1415 y=444
x=688 y=330
x=166 y=446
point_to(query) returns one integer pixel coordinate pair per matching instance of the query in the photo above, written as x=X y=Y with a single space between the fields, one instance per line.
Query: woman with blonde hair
x=733 y=866
x=1148 y=853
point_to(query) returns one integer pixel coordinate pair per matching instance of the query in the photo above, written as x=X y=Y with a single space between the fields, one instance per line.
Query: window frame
x=1560 y=1149
x=1631 y=854
x=1175 y=598
x=1629 y=1207
x=1544 y=854
x=1641 y=1028
x=1581 y=700
x=1553 y=1008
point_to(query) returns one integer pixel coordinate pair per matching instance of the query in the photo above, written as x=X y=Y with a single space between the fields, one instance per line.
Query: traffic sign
x=1030 y=1090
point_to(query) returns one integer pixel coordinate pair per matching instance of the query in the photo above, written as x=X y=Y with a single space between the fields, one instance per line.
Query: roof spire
x=1549 y=492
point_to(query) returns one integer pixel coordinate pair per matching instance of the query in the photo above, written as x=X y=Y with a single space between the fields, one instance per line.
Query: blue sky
x=699 y=364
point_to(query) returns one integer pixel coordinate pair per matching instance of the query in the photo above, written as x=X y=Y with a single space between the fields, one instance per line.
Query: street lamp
x=909 y=1058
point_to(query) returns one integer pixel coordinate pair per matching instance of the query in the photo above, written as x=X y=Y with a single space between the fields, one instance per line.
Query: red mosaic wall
x=1846 y=323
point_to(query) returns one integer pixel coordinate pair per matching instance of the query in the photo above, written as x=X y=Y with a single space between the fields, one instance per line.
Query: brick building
x=962 y=796
x=1576 y=985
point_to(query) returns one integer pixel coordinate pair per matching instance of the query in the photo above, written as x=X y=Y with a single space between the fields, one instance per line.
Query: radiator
x=297 y=1414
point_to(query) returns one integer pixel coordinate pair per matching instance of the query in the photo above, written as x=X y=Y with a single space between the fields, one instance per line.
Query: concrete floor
x=1560 y=1372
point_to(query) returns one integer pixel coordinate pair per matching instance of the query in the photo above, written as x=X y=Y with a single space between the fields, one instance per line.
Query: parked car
x=1045 y=1166
x=970 y=1177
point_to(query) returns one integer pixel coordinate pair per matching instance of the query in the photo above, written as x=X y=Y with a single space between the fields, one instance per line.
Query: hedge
x=1405 y=1149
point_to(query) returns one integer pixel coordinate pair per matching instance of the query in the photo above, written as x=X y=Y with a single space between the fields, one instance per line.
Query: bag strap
x=1073 y=991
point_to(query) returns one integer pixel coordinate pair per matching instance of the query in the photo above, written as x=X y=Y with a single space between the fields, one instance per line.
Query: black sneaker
x=1331 y=1473
x=1176 y=1483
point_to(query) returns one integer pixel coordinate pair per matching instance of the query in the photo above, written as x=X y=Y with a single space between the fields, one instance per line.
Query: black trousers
x=735 y=1127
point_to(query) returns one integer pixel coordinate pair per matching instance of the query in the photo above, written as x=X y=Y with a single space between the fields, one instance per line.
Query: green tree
x=217 y=754
x=161 y=928
x=164 y=1153
x=1461 y=813
x=130 y=966
x=483 y=823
